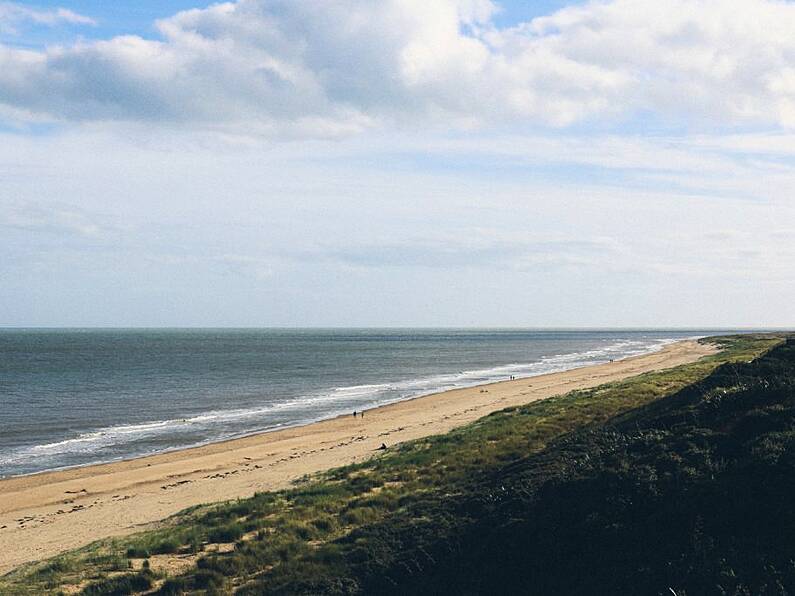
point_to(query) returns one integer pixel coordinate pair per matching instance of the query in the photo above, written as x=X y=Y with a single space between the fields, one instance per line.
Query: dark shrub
x=173 y=587
x=208 y=579
x=120 y=586
x=226 y=533
x=136 y=552
x=228 y=566
x=166 y=547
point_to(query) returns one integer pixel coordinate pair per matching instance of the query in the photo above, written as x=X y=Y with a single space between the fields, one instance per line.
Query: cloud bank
x=319 y=69
x=613 y=163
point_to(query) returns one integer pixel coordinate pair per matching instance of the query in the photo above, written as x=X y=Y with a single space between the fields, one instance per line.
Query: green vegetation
x=122 y=584
x=573 y=494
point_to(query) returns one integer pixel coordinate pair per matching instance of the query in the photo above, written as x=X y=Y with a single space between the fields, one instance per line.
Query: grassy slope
x=413 y=519
x=688 y=495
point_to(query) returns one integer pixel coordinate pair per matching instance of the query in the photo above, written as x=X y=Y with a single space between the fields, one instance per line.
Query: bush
x=174 y=586
x=324 y=524
x=120 y=586
x=226 y=533
x=167 y=546
x=136 y=552
x=359 y=515
x=228 y=566
x=299 y=530
x=205 y=579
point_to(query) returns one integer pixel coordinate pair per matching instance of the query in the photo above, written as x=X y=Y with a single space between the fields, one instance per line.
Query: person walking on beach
x=354 y=413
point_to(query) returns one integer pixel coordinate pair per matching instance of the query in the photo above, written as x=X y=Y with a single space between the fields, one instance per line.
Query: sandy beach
x=44 y=514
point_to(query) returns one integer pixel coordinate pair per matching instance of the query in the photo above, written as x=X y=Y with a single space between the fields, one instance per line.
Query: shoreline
x=44 y=513
x=229 y=439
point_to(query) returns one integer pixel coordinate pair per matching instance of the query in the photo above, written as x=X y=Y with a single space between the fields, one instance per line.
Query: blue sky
x=263 y=162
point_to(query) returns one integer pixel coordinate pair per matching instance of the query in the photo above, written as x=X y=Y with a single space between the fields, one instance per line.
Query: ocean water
x=75 y=397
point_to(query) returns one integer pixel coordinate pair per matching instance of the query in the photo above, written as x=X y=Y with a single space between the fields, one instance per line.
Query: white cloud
x=277 y=67
x=13 y=14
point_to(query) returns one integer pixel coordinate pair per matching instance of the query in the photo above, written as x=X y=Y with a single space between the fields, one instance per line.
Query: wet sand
x=44 y=514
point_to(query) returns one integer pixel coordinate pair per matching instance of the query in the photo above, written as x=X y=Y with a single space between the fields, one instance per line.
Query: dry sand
x=45 y=514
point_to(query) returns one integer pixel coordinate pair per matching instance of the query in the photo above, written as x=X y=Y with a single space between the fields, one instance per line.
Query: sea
x=72 y=397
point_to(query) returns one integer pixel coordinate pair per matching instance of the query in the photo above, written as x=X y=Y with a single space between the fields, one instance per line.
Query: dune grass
x=312 y=534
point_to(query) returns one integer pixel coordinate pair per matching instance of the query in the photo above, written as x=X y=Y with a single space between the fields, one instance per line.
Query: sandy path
x=44 y=514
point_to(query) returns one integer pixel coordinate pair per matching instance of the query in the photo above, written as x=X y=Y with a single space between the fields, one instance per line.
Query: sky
x=397 y=163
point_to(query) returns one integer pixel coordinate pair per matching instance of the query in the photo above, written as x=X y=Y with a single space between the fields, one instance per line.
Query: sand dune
x=44 y=514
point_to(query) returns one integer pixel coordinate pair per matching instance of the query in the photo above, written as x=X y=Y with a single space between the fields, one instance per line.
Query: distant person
x=354 y=413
